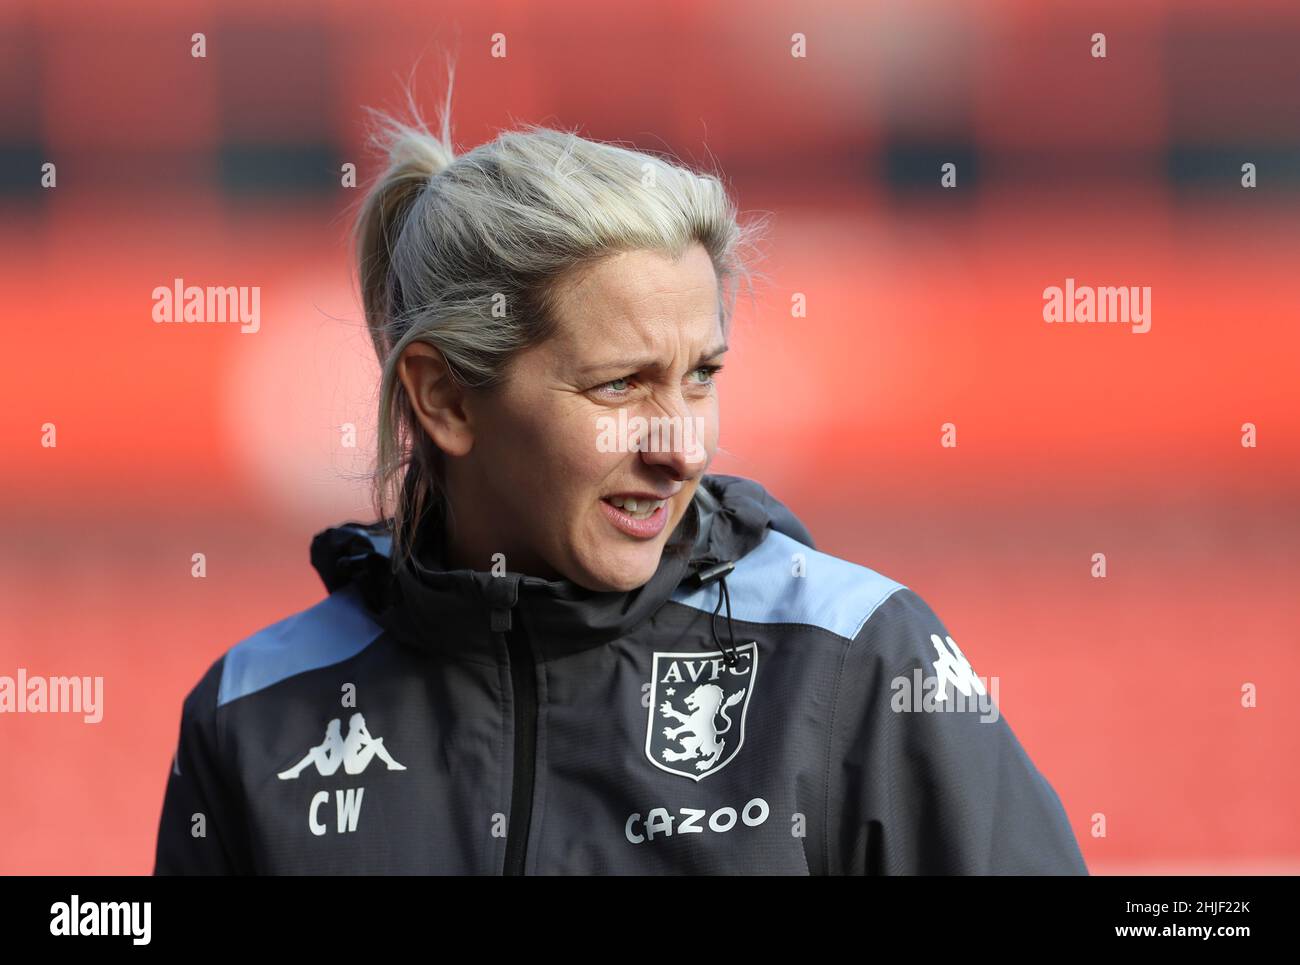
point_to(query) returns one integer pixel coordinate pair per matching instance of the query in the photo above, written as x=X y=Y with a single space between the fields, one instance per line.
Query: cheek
x=709 y=426
x=713 y=423
x=581 y=454
x=558 y=451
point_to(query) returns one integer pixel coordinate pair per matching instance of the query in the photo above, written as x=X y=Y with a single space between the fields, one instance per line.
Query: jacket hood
x=464 y=611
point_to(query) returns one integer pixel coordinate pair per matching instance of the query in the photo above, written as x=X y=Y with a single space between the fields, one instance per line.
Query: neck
x=470 y=542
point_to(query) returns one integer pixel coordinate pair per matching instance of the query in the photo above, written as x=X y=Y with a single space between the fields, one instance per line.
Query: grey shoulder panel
x=335 y=629
x=784 y=581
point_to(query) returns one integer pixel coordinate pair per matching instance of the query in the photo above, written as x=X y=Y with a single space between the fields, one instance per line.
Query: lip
x=641 y=494
x=647 y=528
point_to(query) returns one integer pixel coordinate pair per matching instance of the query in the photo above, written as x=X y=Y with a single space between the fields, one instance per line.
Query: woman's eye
x=619 y=386
x=709 y=372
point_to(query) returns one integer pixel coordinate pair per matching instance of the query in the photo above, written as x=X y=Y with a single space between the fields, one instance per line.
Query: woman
x=588 y=655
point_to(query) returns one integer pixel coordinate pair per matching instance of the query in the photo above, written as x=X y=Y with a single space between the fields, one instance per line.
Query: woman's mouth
x=640 y=517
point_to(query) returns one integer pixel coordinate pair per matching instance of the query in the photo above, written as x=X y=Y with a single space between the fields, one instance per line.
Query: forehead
x=637 y=297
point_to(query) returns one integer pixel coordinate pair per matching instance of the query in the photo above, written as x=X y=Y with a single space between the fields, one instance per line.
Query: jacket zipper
x=523 y=680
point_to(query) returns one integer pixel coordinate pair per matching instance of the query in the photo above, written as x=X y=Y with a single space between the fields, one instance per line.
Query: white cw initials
x=348 y=805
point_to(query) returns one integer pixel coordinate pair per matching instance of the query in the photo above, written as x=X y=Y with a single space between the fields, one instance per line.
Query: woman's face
x=536 y=463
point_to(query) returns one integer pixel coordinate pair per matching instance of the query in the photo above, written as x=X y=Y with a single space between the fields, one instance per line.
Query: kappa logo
x=353 y=753
x=707 y=732
x=952 y=667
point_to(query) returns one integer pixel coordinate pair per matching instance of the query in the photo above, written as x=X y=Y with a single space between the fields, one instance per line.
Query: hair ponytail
x=415 y=156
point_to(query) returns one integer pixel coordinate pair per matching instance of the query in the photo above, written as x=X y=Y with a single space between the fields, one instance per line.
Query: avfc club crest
x=697 y=710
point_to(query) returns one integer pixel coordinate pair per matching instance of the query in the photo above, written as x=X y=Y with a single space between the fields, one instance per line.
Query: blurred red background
x=924 y=307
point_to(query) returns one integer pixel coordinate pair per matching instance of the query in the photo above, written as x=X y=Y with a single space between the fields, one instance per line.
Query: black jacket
x=457 y=722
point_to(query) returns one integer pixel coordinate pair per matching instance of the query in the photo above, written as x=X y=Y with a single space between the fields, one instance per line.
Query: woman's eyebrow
x=636 y=365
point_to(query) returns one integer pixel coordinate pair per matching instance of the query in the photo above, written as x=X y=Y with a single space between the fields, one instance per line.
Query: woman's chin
x=620 y=572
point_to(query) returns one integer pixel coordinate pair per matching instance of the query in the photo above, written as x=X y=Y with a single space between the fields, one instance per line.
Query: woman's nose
x=674 y=439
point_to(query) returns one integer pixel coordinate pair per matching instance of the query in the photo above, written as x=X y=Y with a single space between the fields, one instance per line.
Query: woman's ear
x=437 y=399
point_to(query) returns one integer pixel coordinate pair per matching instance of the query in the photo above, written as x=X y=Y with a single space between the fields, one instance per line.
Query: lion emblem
x=706 y=703
x=702 y=739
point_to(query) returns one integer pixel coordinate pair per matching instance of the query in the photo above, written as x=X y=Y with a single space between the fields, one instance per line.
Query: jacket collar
x=465 y=611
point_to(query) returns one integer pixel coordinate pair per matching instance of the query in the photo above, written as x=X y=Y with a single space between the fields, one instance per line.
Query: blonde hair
x=443 y=242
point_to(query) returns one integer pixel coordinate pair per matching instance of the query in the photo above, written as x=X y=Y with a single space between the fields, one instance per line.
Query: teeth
x=638 y=509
